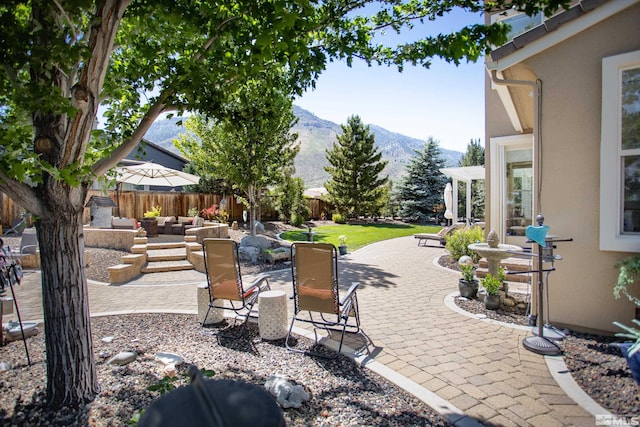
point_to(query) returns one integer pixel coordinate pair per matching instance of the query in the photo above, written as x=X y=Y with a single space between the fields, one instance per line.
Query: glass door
x=518 y=200
x=512 y=187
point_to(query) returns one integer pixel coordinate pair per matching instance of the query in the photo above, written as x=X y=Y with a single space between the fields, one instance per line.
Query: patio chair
x=224 y=280
x=17 y=226
x=440 y=236
x=316 y=290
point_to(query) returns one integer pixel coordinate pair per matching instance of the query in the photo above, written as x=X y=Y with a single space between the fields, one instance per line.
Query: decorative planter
x=492 y=302
x=633 y=361
x=342 y=250
x=468 y=289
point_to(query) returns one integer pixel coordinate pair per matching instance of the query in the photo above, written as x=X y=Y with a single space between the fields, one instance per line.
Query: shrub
x=296 y=220
x=468 y=272
x=153 y=213
x=338 y=218
x=458 y=242
x=491 y=284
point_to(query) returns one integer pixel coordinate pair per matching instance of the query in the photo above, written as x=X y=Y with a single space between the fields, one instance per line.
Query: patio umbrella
x=448 y=201
x=153 y=174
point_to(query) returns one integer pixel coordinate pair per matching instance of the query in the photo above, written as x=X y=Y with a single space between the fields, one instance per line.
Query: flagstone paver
x=480 y=367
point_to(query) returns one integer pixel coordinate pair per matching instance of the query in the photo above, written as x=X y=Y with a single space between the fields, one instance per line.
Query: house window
x=519 y=22
x=620 y=154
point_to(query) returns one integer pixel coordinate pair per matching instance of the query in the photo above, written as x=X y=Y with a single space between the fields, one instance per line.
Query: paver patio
x=479 y=367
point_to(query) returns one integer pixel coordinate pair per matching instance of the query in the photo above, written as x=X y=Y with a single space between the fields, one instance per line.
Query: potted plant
x=153 y=213
x=628 y=274
x=342 y=244
x=491 y=285
x=631 y=350
x=468 y=284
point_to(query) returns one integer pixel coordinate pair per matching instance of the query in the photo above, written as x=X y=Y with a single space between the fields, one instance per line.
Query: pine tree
x=474 y=155
x=420 y=192
x=355 y=164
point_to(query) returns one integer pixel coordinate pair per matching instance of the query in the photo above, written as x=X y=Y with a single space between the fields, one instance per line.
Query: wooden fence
x=133 y=204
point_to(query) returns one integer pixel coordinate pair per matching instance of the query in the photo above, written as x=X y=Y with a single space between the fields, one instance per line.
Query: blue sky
x=445 y=102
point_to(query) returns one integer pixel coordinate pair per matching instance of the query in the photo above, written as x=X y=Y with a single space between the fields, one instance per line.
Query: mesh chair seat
x=316 y=290
x=224 y=280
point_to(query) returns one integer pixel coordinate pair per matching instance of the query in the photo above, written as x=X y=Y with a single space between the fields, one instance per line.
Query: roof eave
x=554 y=31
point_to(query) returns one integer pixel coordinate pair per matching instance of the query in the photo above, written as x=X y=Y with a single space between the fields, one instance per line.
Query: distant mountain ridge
x=316 y=135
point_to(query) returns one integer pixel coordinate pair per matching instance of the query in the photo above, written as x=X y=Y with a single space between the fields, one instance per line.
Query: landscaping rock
x=123 y=358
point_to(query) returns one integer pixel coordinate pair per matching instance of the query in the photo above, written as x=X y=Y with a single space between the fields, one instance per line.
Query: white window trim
x=498 y=147
x=611 y=236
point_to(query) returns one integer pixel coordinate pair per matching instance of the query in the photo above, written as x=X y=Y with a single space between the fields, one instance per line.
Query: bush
x=296 y=220
x=338 y=218
x=458 y=242
x=491 y=284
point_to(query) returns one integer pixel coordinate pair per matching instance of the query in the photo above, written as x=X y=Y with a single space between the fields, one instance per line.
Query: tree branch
x=23 y=194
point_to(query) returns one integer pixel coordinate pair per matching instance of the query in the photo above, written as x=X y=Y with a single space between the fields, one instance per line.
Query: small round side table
x=272 y=315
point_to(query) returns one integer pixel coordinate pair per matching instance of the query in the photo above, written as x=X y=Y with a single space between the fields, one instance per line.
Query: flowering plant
x=214 y=213
x=342 y=240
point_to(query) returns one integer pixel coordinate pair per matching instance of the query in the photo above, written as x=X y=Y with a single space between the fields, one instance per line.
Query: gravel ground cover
x=342 y=393
x=596 y=365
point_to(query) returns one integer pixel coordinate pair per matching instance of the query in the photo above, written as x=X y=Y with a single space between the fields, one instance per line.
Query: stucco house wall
x=580 y=290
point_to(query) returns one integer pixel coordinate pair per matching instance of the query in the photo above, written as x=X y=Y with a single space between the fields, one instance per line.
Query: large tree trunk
x=71 y=373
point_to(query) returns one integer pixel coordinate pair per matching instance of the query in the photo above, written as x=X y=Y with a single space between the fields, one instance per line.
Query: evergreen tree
x=420 y=192
x=355 y=164
x=474 y=156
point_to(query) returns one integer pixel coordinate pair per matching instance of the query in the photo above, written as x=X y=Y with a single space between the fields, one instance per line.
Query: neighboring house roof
x=554 y=30
x=161 y=149
x=315 y=193
x=101 y=201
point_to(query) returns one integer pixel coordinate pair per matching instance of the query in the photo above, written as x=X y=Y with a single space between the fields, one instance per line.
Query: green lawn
x=361 y=234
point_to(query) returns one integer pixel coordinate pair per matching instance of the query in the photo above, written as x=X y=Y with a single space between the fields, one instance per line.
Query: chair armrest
x=257 y=282
x=28 y=249
x=168 y=224
x=350 y=292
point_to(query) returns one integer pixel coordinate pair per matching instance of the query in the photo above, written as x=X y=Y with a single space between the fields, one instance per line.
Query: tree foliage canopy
x=355 y=165
x=250 y=146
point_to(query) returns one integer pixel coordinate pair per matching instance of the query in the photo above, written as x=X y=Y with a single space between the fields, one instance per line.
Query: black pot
x=468 y=289
x=492 y=302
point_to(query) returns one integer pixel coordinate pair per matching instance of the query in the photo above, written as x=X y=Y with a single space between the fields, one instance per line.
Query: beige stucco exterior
x=580 y=291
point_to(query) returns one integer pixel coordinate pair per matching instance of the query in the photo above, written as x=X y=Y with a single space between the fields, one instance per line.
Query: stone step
x=166 y=245
x=164 y=266
x=175 y=254
x=512 y=264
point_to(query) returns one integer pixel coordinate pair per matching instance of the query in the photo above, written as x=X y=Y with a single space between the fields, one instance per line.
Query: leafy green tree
x=355 y=164
x=289 y=200
x=474 y=156
x=140 y=59
x=250 y=146
x=209 y=182
x=419 y=194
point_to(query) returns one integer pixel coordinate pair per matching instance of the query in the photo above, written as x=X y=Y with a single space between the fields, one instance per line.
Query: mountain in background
x=316 y=135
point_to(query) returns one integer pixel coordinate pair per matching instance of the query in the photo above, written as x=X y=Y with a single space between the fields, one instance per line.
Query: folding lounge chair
x=222 y=267
x=17 y=225
x=316 y=290
x=440 y=236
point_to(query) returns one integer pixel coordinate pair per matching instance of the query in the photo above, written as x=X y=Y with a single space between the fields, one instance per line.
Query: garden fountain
x=494 y=251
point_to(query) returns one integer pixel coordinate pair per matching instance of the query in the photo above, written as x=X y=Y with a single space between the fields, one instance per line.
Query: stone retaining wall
x=109 y=238
x=214 y=230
